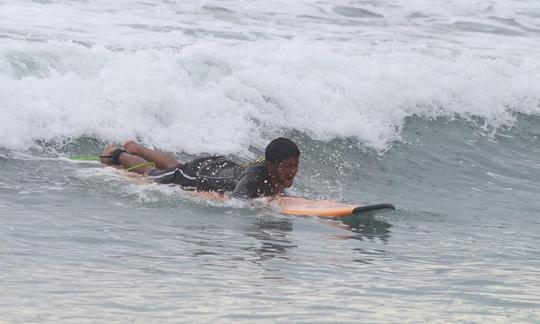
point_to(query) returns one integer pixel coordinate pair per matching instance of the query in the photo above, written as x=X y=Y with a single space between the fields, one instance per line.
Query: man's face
x=286 y=171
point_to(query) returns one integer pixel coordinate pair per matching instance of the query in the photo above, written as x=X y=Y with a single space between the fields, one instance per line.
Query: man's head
x=282 y=157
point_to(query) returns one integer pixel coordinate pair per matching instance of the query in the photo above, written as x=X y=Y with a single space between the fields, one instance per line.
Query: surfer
x=267 y=176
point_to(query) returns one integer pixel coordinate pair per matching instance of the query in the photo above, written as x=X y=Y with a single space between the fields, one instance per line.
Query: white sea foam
x=203 y=98
x=221 y=77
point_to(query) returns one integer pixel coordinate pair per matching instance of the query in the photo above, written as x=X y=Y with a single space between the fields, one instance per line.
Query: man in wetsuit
x=263 y=177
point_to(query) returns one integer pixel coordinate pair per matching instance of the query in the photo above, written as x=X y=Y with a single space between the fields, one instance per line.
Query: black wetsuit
x=215 y=173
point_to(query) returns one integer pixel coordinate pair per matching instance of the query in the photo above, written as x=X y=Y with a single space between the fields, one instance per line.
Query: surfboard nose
x=363 y=209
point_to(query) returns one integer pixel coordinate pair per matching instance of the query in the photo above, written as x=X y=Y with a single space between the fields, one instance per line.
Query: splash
x=214 y=97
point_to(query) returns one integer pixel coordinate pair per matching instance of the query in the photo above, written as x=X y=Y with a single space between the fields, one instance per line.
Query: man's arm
x=248 y=187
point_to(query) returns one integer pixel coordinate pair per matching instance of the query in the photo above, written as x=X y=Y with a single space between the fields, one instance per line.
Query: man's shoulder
x=260 y=168
x=258 y=172
x=254 y=182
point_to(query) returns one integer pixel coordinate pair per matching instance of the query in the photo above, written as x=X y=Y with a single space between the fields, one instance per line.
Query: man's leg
x=162 y=160
x=126 y=160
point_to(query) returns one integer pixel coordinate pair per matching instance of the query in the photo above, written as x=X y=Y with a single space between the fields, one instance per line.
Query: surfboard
x=298 y=206
x=325 y=208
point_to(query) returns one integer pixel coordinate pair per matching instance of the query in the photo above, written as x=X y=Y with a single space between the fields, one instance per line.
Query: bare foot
x=107 y=152
x=131 y=147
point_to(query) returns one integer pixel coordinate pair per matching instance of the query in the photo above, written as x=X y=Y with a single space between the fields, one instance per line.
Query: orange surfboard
x=324 y=208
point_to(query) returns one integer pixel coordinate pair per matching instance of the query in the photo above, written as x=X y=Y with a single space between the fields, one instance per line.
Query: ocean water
x=433 y=106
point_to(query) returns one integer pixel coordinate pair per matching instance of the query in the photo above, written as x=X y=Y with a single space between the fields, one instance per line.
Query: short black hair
x=280 y=149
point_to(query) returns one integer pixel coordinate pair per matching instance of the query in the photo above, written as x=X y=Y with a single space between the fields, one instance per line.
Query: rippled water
x=430 y=106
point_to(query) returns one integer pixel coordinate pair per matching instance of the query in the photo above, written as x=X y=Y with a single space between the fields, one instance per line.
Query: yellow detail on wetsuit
x=252 y=163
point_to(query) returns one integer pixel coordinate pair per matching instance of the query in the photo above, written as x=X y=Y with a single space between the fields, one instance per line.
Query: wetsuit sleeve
x=248 y=187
